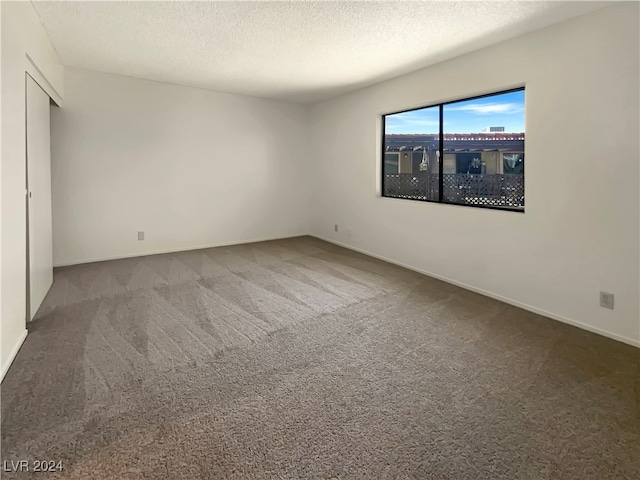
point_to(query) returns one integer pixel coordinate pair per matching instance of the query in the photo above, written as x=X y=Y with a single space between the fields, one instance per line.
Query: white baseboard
x=14 y=352
x=510 y=301
x=172 y=250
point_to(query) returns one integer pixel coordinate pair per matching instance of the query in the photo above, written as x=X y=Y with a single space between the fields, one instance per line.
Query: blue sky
x=471 y=116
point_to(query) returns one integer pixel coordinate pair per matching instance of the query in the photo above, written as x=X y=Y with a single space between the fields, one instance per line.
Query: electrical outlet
x=606 y=300
x=140 y=235
x=335 y=227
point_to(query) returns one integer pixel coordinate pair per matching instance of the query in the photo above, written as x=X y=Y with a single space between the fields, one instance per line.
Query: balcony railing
x=498 y=190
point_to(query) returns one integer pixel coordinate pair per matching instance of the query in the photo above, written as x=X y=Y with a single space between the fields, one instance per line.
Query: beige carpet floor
x=300 y=359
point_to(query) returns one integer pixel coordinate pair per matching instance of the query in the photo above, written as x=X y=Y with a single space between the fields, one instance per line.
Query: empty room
x=320 y=239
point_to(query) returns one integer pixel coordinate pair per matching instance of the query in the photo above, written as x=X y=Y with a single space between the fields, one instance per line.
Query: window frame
x=441 y=106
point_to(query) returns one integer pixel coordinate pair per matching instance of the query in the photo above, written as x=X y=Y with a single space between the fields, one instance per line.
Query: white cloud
x=412 y=119
x=488 y=108
x=402 y=125
x=414 y=122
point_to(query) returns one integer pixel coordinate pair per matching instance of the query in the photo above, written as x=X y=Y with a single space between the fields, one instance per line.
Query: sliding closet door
x=40 y=255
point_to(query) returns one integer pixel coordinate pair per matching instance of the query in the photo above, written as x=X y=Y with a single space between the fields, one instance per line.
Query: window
x=466 y=152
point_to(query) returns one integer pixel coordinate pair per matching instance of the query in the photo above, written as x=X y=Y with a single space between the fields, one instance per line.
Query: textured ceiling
x=299 y=51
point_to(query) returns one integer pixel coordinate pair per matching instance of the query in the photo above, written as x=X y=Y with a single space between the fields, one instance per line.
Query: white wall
x=580 y=232
x=189 y=167
x=25 y=48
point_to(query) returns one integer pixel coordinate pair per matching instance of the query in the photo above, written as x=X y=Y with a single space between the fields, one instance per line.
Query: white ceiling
x=300 y=51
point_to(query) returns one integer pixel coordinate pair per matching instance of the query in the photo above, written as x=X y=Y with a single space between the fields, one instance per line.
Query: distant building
x=483 y=152
x=492 y=129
